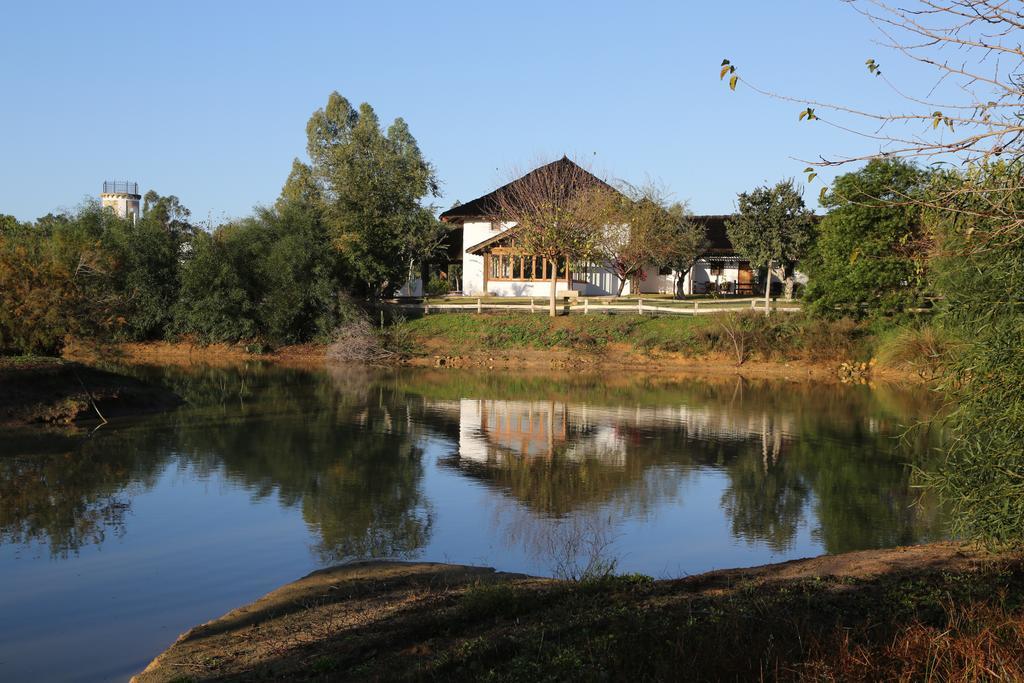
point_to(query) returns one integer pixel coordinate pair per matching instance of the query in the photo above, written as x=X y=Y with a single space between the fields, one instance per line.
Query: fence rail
x=584 y=306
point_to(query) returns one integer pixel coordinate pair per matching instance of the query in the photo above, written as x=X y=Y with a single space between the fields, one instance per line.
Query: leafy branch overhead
x=727 y=69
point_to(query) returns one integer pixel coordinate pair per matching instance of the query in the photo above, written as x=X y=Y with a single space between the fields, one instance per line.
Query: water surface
x=113 y=543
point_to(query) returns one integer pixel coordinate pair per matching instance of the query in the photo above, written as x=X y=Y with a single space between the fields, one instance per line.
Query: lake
x=113 y=542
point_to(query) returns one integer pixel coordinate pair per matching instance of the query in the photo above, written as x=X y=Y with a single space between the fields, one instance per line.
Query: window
x=505 y=266
x=716 y=268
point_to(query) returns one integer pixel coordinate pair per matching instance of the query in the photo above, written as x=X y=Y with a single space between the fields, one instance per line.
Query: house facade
x=492 y=264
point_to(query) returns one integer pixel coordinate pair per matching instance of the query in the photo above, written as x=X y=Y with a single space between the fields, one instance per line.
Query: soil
x=615 y=357
x=393 y=620
x=56 y=392
x=625 y=358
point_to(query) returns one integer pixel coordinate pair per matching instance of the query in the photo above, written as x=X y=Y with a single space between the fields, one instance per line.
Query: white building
x=492 y=265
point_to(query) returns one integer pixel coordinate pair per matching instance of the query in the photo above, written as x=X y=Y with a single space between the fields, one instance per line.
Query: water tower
x=123 y=197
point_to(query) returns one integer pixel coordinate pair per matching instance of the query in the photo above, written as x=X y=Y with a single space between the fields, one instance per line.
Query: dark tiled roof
x=717 y=235
x=486 y=207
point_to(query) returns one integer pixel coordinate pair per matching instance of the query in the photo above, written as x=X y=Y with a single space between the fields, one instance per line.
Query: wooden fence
x=586 y=306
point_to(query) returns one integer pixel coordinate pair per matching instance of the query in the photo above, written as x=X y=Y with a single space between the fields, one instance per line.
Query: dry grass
x=978 y=641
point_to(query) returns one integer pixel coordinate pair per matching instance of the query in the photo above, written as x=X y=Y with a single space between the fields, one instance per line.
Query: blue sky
x=209 y=101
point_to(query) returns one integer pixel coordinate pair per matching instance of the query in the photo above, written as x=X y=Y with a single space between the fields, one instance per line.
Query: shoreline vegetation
x=786 y=347
x=898 y=614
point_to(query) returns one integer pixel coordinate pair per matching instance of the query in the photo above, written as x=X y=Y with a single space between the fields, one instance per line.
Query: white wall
x=473 y=264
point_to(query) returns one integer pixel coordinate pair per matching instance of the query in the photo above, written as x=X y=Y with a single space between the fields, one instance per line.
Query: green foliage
x=148 y=256
x=686 y=243
x=273 y=276
x=368 y=185
x=979 y=275
x=772 y=229
x=869 y=257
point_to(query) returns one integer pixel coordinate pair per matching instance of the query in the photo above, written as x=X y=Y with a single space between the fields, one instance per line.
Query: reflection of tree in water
x=67 y=492
x=794 y=455
x=845 y=462
x=340 y=448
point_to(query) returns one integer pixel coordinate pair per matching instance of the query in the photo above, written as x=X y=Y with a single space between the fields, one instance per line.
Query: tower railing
x=120 y=187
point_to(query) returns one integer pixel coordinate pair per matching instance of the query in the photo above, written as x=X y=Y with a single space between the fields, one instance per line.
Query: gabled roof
x=486 y=207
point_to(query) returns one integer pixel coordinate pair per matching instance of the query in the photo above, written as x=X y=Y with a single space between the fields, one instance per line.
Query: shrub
x=437 y=286
x=925 y=350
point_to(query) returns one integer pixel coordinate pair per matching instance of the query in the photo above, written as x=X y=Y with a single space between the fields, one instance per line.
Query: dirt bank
x=871 y=615
x=624 y=358
x=435 y=353
x=51 y=391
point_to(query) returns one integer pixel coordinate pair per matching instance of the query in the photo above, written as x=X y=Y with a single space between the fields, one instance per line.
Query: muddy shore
x=61 y=393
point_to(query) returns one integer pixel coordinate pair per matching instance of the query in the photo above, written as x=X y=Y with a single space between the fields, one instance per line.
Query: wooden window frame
x=532 y=268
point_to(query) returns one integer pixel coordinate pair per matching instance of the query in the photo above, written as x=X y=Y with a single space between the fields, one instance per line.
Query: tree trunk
x=554 y=286
x=790 y=284
x=622 y=286
x=768 y=290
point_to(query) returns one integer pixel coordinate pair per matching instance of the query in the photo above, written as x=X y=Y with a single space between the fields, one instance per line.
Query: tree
x=57 y=282
x=970 y=117
x=687 y=243
x=371 y=185
x=558 y=215
x=638 y=228
x=148 y=252
x=773 y=230
x=871 y=251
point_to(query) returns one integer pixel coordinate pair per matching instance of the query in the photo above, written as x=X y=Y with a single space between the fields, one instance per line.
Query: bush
x=56 y=281
x=926 y=350
x=437 y=286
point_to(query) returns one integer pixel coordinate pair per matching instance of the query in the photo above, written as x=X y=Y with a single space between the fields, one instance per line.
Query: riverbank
x=51 y=391
x=784 y=347
x=941 y=610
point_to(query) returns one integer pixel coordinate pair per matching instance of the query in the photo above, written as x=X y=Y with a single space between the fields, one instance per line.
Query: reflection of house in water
x=491 y=430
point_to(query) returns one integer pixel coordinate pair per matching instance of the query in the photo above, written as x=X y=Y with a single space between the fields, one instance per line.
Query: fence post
x=531 y=304
x=426 y=307
x=695 y=307
x=753 y=304
x=640 y=306
x=586 y=306
x=479 y=306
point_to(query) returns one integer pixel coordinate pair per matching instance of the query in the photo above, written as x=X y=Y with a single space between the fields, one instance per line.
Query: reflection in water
x=827 y=458
x=267 y=473
x=347 y=450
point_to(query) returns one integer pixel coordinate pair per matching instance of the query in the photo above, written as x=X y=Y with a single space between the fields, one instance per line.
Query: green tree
x=687 y=243
x=214 y=304
x=870 y=254
x=371 y=184
x=148 y=252
x=773 y=230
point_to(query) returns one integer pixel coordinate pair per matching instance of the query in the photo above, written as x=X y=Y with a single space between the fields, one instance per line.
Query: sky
x=209 y=100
